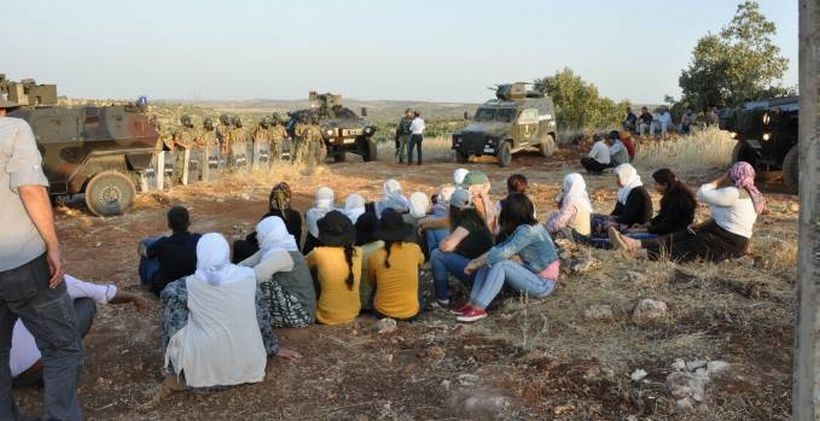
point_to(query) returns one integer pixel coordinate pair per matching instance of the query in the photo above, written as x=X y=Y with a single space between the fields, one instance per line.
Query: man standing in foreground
x=416 y=137
x=31 y=275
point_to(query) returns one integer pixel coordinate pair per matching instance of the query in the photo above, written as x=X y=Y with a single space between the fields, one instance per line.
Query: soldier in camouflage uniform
x=262 y=135
x=299 y=140
x=403 y=135
x=208 y=142
x=183 y=138
x=240 y=140
x=315 y=142
x=279 y=135
x=223 y=135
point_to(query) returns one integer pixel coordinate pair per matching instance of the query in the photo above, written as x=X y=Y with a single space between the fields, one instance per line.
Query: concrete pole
x=806 y=387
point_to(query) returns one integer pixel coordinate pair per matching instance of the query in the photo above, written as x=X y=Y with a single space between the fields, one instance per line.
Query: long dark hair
x=517 y=209
x=350 y=251
x=387 y=246
x=517 y=183
x=668 y=178
x=457 y=215
x=280 y=195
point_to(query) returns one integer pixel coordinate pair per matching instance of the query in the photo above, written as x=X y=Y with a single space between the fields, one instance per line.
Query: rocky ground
x=619 y=339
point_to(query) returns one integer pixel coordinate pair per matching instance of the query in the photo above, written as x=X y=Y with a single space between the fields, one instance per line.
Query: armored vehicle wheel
x=369 y=149
x=547 y=146
x=461 y=157
x=790 y=175
x=109 y=193
x=504 y=154
x=338 y=154
x=743 y=152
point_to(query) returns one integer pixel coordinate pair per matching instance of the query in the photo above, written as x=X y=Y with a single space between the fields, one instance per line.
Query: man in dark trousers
x=166 y=259
x=31 y=275
x=416 y=137
x=403 y=135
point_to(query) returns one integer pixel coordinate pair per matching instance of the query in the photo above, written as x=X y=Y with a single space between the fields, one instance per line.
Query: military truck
x=27 y=92
x=766 y=134
x=342 y=130
x=515 y=120
x=99 y=151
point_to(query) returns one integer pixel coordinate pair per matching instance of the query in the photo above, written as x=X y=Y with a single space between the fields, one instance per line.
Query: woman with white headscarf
x=324 y=203
x=392 y=198
x=212 y=332
x=574 y=207
x=285 y=284
x=633 y=206
x=354 y=207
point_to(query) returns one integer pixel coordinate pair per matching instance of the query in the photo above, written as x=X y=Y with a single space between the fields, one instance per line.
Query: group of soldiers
x=188 y=154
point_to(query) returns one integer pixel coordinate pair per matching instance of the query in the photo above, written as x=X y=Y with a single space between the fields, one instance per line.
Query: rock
x=649 y=310
x=583 y=265
x=717 y=367
x=635 y=277
x=685 y=404
x=445 y=384
x=745 y=260
x=467 y=379
x=695 y=364
x=386 y=325
x=488 y=404
x=598 y=312
x=436 y=353
x=631 y=418
x=638 y=375
x=679 y=365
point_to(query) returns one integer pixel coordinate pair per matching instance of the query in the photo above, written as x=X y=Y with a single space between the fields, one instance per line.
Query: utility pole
x=806 y=378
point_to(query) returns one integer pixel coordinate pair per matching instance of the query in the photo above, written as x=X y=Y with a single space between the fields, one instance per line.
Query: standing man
x=403 y=135
x=261 y=143
x=316 y=142
x=279 y=135
x=184 y=140
x=416 y=137
x=240 y=140
x=208 y=141
x=31 y=275
x=297 y=153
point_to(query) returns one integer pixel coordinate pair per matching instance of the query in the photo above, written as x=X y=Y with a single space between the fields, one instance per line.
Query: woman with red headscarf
x=734 y=203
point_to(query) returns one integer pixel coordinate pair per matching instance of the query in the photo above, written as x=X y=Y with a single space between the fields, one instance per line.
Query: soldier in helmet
x=240 y=143
x=223 y=133
x=262 y=135
x=315 y=143
x=299 y=139
x=403 y=135
x=184 y=137
x=279 y=135
x=208 y=142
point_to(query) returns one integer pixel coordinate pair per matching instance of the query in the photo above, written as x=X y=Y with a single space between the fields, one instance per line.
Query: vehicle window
x=484 y=114
x=506 y=115
x=528 y=116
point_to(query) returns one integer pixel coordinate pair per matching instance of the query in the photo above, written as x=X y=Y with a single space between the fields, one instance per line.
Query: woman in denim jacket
x=526 y=260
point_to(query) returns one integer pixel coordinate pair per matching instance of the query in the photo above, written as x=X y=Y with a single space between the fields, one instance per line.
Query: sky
x=425 y=50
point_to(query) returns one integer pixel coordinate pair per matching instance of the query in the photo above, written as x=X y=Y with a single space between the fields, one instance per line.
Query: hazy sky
x=430 y=50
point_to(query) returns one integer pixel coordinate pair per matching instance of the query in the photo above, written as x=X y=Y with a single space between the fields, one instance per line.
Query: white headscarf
x=419 y=204
x=574 y=190
x=324 y=198
x=323 y=204
x=393 y=198
x=458 y=176
x=213 y=264
x=629 y=179
x=354 y=207
x=273 y=235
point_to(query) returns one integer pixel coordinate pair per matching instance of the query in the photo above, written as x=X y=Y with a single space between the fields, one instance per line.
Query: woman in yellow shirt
x=338 y=267
x=394 y=270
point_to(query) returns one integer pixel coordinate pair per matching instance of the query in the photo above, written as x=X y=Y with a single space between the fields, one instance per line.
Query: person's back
x=397 y=286
x=176 y=253
x=618 y=153
x=636 y=210
x=337 y=303
x=600 y=152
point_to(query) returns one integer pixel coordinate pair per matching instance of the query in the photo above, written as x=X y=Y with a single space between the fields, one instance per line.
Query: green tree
x=578 y=104
x=740 y=63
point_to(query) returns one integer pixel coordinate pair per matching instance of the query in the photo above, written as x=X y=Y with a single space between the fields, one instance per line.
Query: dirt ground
x=528 y=360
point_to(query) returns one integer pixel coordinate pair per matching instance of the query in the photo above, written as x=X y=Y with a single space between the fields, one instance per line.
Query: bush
x=577 y=103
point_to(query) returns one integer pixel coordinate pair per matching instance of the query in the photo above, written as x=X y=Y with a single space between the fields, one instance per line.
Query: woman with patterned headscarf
x=278 y=205
x=734 y=203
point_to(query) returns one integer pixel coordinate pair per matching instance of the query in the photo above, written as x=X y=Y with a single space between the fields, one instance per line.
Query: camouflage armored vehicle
x=99 y=151
x=27 y=92
x=766 y=134
x=516 y=120
x=342 y=130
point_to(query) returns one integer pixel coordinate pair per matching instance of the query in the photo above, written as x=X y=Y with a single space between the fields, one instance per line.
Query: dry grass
x=434 y=149
x=701 y=152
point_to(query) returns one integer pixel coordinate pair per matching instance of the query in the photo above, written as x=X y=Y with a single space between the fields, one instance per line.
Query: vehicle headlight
x=766 y=136
x=733 y=134
x=368 y=130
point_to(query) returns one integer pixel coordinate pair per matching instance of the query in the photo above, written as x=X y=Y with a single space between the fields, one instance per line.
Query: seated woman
x=278 y=205
x=284 y=280
x=677 y=210
x=321 y=206
x=469 y=238
x=526 y=261
x=25 y=358
x=439 y=211
x=338 y=267
x=212 y=333
x=734 y=203
x=392 y=198
x=634 y=205
x=394 y=269
x=574 y=207
x=458 y=177
x=478 y=184
x=354 y=207
x=366 y=239
x=418 y=210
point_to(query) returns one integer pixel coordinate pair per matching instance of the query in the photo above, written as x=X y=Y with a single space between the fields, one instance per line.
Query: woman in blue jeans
x=469 y=238
x=526 y=260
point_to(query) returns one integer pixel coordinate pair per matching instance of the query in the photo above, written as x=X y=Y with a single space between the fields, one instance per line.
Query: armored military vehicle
x=766 y=134
x=515 y=120
x=342 y=130
x=27 y=92
x=99 y=151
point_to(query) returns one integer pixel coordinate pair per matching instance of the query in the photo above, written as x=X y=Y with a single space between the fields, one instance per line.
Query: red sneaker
x=460 y=309
x=471 y=314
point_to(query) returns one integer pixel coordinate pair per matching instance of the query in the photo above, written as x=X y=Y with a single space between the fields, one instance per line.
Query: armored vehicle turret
x=515 y=120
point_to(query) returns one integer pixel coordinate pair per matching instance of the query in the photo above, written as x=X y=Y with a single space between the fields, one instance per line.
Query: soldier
x=262 y=135
x=403 y=135
x=240 y=141
x=223 y=133
x=299 y=138
x=208 y=142
x=278 y=138
x=315 y=142
x=183 y=138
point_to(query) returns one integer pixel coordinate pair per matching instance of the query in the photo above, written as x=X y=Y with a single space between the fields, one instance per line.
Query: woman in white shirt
x=734 y=203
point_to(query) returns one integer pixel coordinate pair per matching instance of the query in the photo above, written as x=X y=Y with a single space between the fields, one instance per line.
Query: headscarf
x=354 y=207
x=280 y=197
x=393 y=198
x=323 y=204
x=419 y=204
x=574 y=190
x=273 y=235
x=324 y=198
x=743 y=177
x=458 y=176
x=629 y=179
x=213 y=264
